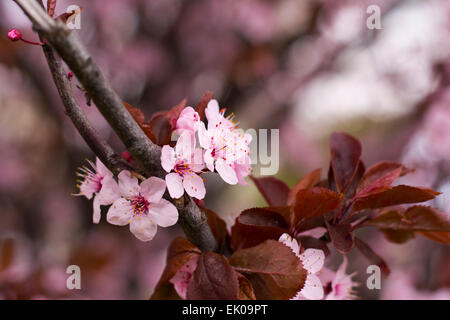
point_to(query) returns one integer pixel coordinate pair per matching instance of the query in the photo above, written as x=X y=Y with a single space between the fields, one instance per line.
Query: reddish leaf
x=441 y=237
x=351 y=190
x=256 y=225
x=416 y=218
x=203 y=104
x=180 y=252
x=161 y=128
x=311 y=242
x=51 y=6
x=381 y=184
x=165 y=292
x=214 y=279
x=372 y=256
x=398 y=236
x=397 y=195
x=345 y=155
x=308 y=181
x=218 y=227
x=139 y=117
x=341 y=236
x=274 y=191
x=314 y=202
x=274 y=270
x=174 y=113
x=380 y=170
x=245 y=288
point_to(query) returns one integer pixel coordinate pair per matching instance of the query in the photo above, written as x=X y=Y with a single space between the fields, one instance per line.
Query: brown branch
x=192 y=219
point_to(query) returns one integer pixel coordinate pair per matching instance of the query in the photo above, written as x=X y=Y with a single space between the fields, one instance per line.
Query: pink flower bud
x=14 y=35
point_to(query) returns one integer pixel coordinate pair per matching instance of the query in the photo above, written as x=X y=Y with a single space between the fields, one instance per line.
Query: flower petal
x=313 y=289
x=167 y=158
x=128 y=185
x=97 y=211
x=153 y=189
x=143 y=228
x=312 y=260
x=226 y=171
x=163 y=213
x=174 y=184
x=290 y=242
x=194 y=186
x=109 y=191
x=102 y=169
x=120 y=213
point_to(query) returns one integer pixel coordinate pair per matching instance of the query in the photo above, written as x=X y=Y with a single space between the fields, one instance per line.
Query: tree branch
x=192 y=219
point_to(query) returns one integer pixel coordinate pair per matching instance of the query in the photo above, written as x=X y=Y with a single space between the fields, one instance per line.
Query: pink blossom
x=182 y=278
x=142 y=206
x=341 y=284
x=98 y=183
x=312 y=260
x=186 y=162
x=188 y=120
x=227 y=148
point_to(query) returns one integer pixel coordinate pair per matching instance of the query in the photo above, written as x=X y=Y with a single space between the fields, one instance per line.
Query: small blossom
x=183 y=163
x=312 y=261
x=188 y=120
x=14 y=35
x=142 y=206
x=227 y=148
x=341 y=286
x=98 y=183
x=183 y=276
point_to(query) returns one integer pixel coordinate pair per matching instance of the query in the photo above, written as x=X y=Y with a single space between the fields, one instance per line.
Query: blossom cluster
x=220 y=147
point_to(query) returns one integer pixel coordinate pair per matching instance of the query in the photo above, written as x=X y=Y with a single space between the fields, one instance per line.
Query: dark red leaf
x=139 y=117
x=308 y=181
x=311 y=242
x=165 y=292
x=214 y=279
x=274 y=191
x=245 y=288
x=372 y=256
x=256 y=225
x=441 y=237
x=351 y=190
x=341 y=236
x=218 y=227
x=396 y=195
x=314 y=202
x=380 y=170
x=398 y=236
x=180 y=252
x=274 y=270
x=345 y=155
x=203 y=104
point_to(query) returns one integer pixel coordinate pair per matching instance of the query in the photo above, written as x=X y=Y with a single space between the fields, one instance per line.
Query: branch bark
x=192 y=219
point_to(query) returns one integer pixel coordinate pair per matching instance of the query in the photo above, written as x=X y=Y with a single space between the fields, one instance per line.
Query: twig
x=192 y=219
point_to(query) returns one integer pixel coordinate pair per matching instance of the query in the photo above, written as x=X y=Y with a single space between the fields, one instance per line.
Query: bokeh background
x=306 y=67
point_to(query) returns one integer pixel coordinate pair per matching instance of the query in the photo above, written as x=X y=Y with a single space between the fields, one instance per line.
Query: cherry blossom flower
x=339 y=284
x=227 y=148
x=188 y=120
x=186 y=162
x=142 y=206
x=312 y=260
x=183 y=276
x=98 y=183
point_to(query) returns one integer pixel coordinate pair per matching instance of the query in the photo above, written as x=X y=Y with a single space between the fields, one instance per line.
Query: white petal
x=128 y=185
x=313 y=289
x=152 y=189
x=120 y=213
x=312 y=260
x=292 y=243
x=167 y=158
x=164 y=213
x=194 y=186
x=174 y=184
x=143 y=228
x=226 y=171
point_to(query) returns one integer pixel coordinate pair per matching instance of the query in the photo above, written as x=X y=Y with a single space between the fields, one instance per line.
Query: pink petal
x=203 y=136
x=174 y=184
x=290 y=242
x=109 y=191
x=313 y=289
x=212 y=112
x=143 y=228
x=101 y=168
x=120 y=213
x=194 y=186
x=97 y=211
x=128 y=185
x=183 y=276
x=226 y=171
x=185 y=147
x=312 y=260
x=209 y=160
x=163 y=213
x=197 y=164
x=153 y=189
x=167 y=158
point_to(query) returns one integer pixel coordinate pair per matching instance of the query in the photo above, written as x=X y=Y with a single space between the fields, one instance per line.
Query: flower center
x=140 y=205
x=182 y=168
